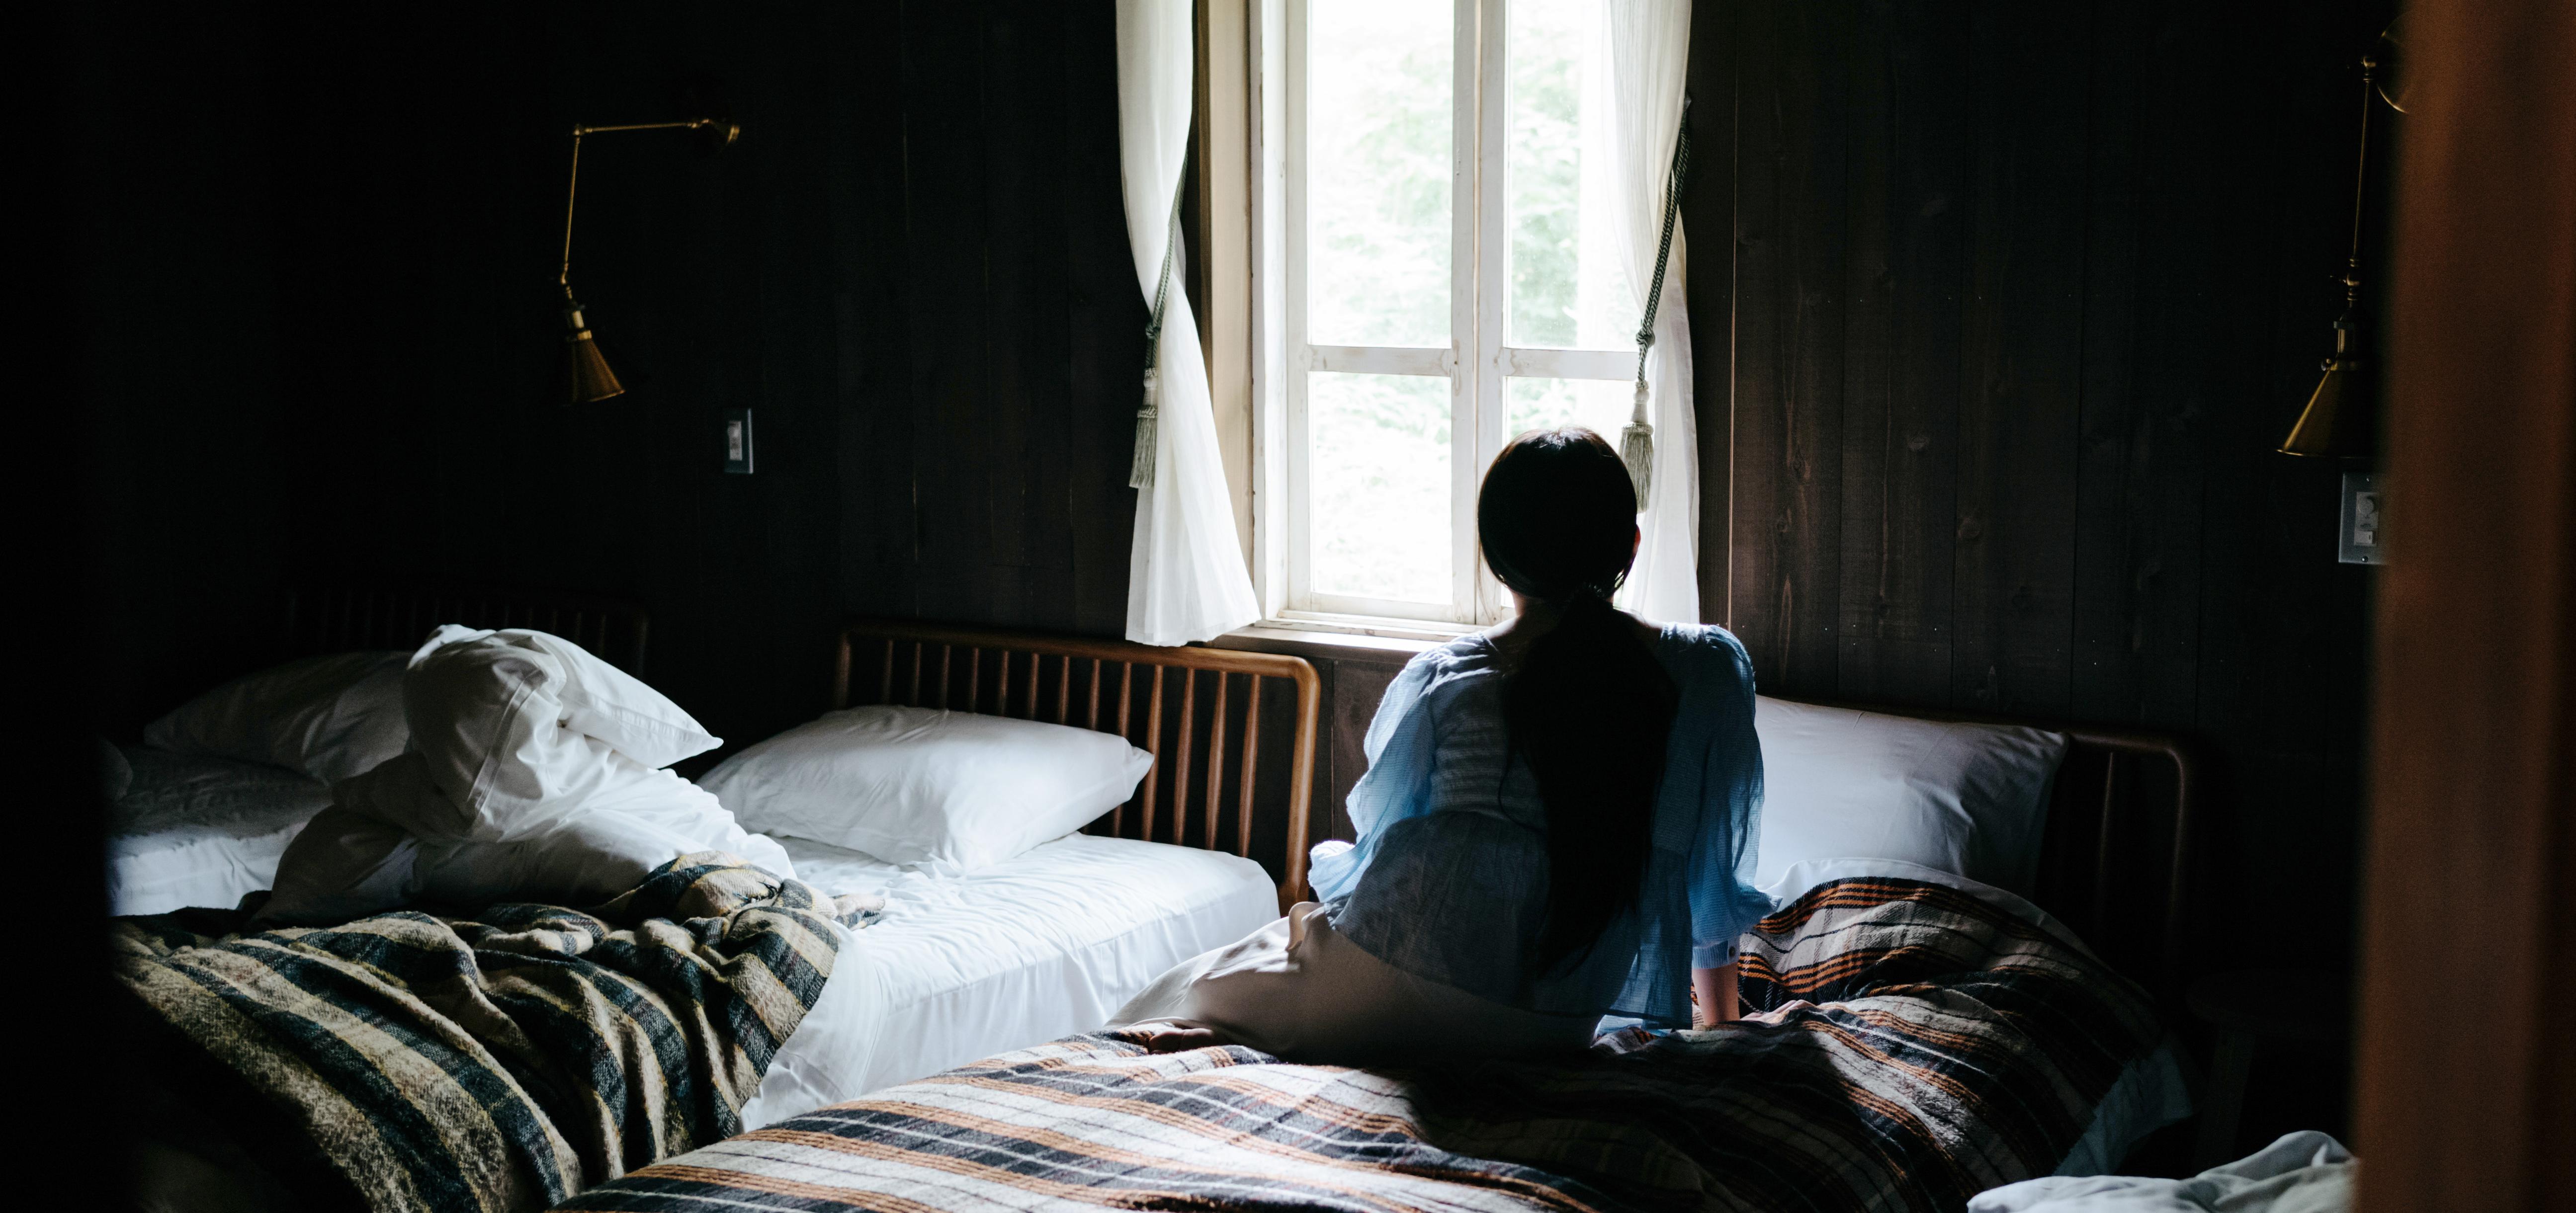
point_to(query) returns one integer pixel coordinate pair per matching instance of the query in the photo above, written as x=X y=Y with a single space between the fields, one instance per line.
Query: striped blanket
x=1910 y=1046
x=411 y=1061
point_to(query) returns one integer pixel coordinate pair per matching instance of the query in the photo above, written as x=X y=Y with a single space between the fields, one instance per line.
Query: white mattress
x=963 y=967
x=198 y=831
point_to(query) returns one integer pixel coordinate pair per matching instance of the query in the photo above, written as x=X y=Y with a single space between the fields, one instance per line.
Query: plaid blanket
x=502 y=1062
x=1911 y=1046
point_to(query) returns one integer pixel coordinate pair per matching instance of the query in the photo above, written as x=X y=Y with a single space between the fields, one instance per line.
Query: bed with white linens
x=1976 y=923
x=992 y=940
x=1003 y=925
x=1039 y=946
x=964 y=959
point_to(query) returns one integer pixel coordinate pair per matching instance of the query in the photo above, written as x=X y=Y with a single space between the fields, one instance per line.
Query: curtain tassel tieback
x=1637 y=442
x=1637 y=446
x=1140 y=471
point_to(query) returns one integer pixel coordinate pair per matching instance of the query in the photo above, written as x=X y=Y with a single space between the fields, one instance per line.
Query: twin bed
x=960 y=965
x=1881 y=1066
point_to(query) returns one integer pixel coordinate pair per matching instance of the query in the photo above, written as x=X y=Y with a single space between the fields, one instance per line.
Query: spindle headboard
x=1199 y=711
x=338 y=618
x=2117 y=861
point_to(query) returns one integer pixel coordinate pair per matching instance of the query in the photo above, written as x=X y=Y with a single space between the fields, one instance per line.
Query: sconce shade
x=2337 y=420
x=586 y=376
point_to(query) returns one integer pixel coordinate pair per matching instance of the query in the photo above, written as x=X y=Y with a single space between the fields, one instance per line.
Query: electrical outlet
x=737 y=442
x=2359 y=541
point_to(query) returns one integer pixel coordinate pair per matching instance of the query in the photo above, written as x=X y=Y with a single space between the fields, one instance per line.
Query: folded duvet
x=1911 y=1045
x=500 y=1062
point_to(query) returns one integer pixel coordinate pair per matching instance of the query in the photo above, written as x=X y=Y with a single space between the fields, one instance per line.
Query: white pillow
x=329 y=717
x=596 y=699
x=516 y=727
x=1969 y=799
x=919 y=785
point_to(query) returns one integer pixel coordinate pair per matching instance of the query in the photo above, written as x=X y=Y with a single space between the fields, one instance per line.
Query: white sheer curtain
x=1647 y=43
x=1186 y=579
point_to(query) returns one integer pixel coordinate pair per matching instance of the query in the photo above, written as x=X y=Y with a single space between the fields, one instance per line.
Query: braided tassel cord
x=1140 y=469
x=1637 y=449
x=1140 y=472
x=1637 y=442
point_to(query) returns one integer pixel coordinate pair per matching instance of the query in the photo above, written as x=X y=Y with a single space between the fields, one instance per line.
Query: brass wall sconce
x=2339 y=418
x=586 y=375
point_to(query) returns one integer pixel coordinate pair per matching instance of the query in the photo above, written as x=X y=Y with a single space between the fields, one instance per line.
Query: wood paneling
x=912 y=269
x=2022 y=299
x=2012 y=592
x=182 y=436
x=1358 y=685
x=1790 y=153
x=1902 y=353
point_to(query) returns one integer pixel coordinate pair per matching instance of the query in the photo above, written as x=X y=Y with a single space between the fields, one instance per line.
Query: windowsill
x=1359 y=638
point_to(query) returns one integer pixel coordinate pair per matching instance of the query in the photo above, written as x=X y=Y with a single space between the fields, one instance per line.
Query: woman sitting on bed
x=1557 y=823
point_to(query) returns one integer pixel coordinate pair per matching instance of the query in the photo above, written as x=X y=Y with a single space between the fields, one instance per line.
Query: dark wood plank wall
x=2022 y=299
x=342 y=222
x=167 y=312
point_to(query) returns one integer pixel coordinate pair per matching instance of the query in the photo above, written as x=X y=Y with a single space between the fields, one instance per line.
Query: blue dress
x=1448 y=878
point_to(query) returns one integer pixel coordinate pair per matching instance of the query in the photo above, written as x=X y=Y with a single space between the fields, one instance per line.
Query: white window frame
x=1476 y=362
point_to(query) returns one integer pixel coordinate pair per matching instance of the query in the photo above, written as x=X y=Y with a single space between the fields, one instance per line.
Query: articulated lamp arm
x=572 y=190
x=587 y=376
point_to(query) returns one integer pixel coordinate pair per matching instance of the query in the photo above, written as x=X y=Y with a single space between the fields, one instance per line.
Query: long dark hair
x=1590 y=707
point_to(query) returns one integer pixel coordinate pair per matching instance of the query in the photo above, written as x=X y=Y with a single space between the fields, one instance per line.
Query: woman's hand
x=1182 y=1040
x=1168 y=1036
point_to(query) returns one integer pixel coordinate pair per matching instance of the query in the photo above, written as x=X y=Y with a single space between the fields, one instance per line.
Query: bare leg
x=1714 y=992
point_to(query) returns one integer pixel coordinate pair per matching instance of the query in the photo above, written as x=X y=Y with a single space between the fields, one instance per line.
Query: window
x=1442 y=275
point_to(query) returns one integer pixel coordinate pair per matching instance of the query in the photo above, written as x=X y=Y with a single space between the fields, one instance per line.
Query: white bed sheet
x=1019 y=953
x=193 y=830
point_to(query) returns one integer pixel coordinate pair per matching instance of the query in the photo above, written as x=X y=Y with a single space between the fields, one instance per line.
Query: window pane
x=1566 y=278
x=1378 y=118
x=1601 y=404
x=1377 y=486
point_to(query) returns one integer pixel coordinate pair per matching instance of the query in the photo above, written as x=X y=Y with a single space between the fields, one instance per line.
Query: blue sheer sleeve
x=1397 y=786
x=1723 y=901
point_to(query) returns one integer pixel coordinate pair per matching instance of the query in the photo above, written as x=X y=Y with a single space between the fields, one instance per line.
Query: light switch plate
x=737 y=442
x=2360 y=540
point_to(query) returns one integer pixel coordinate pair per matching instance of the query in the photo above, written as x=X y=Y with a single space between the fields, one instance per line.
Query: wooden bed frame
x=1178 y=704
x=338 y=618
